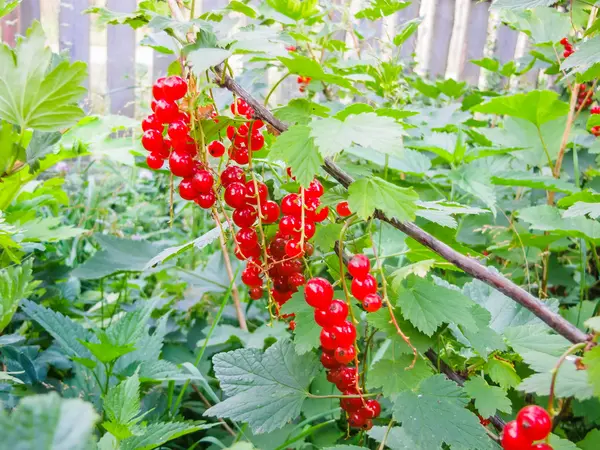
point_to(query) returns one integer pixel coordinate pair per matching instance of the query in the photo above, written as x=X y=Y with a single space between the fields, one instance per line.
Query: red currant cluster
x=569 y=50
x=303 y=83
x=364 y=285
x=584 y=98
x=595 y=130
x=533 y=423
x=247 y=137
x=291 y=48
x=338 y=343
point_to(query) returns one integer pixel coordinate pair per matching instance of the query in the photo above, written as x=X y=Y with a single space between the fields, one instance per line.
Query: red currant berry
x=321 y=215
x=240 y=156
x=235 y=195
x=346 y=378
x=244 y=254
x=367 y=425
x=342 y=209
x=542 y=446
x=372 y=303
x=153 y=105
x=281 y=297
x=290 y=267
x=232 y=174
x=179 y=131
x=513 y=437
x=351 y=404
x=166 y=112
x=289 y=226
x=251 y=278
x=359 y=266
x=157 y=89
x=244 y=216
x=181 y=164
x=344 y=355
x=263 y=192
x=291 y=204
x=240 y=107
x=184 y=117
x=165 y=151
x=534 y=422
x=203 y=181
x=595 y=109
x=315 y=189
x=206 y=201
x=277 y=247
x=309 y=229
x=257 y=125
x=154 y=161
x=338 y=336
x=174 y=88
x=257 y=142
x=186 y=146
x=334 y=314
x=231 y=131
x=372 y=409
x=186 y=189
x=328 y=360
x=255 y=293
x=296 y=280
x=564 y=41
x=361 y=287
x=269 y=212
x=318 y=293
x=152 y=123
x=294 y=249
x=216 y=149
x=247 y=238
x=309 y=249
x=152 y=141
x=356 y=420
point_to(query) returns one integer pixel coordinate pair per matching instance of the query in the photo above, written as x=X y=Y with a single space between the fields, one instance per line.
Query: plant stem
x=275 y=87
x=561 y=360
x=309 y=395
x=385 y=436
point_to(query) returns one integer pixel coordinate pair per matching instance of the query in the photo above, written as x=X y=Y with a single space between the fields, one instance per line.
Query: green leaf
x=593 y=324
x=380 y=133
x=297 y=149
x=48 y=229
x=548 y=218
x=408 y=29
x=395 y=438
x=558 y=443
x=243 y=8
x=7 y=7
x=483 y=339
x=428 y=305
x=105 y=351
x=159 y=433
x=300 y=111
x=16 y=284
x=295 y=9
x=303 y=65
x=502 y=372
x=436 y=414
x=546 y=25
x=381 y=8
x=32 y=95
x=316 y=406
x=441 y=212
x=488 y=399
x=537 y=107
x=203 y=59
x=490 y=64
x=65 y=332
x=549 y=183
x=592 y=360
x=382 y=321
x=122 y=402
x=40 y=145
x=327 y=235
x=585 y=56
x=117 y=255
x=266 y=390
x=475 y=180
x=420 y=269
x=368 y=194
x=132 y=326
x=393 y=376
x=47 y=422
x=591 y=441
x=520 y=4
x=580 y=209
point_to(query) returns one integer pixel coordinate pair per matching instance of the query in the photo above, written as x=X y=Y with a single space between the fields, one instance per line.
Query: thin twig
x=208 y=405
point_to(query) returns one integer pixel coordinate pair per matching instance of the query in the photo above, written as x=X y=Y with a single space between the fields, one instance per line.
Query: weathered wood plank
x=442 y=32
x=74 y=30
x=29 y=11
x=476 y=38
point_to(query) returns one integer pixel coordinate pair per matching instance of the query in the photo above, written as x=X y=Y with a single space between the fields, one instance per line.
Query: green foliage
x=368 y=194
x=488 y=399
x=16 y=284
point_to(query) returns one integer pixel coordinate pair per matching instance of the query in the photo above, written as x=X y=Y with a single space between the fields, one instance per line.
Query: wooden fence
x=452 y=33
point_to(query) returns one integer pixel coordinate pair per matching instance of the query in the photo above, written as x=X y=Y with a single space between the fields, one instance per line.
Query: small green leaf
x=40 y=145
x=327 y=235
x=592 y=360
x=368 y=194
x=548 y=218
x=393 y=376
x=487 y=63
x=381 y=8
x=488 y=399
x=303 y=65
x=106 y=352
x=408 y=29
x=295 y=9
x=243 y=8
x=520 y=4
x=307 y=332
x=156 y=434
x=502 y=372
x=549 y=183
x=122 y=402
x=420 y=268
x=585 y=57
x=16 y=284
x=300 y=111
x=203 y=59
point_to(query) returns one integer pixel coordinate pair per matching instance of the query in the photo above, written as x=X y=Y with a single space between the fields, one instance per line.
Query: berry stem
x=372 y=394
x=385 y=436
x=287 y=74
x=574 y=348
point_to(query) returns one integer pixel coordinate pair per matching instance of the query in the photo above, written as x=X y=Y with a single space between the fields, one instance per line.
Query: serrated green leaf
x=203 y=59
x=475 y=180
x=537 y=107
x=483 y=339
x=368 y=194
x=520 y=4
x=382 y=321
x=548 y=218
x=436 y=414
x=16 y=284
x=420 y=269
x=48 y=229
x=593 y=324
x=41 y=144
x=327 y=235
x=580 y=209
x=300 y=110
x=502 y=372
x=122 y=402
x=132 y=326
x=50 y=423
x=558 y=443
x=106 y=352
x=307 y=332
x=428 y=305
x=297 y=149
x=592 y=360
x=591 y=441
x=441 y=213
x=393 y=377
x=266 y=390
x=488 y=399
x=396 y=438
x=585 y=56
x=32 y=95
x=156 y=434
x=305 y=66
x=514 y=178
x=381 y=8
x=408 y=29
x=295 y=9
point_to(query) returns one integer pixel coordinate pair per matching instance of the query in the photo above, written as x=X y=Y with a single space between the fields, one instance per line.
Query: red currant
x=361 y=287
x=174 y=88
x=181 y=164
x=232 y=174
x=269 y=212
x=344 y=355
x=372 y=303
x=564 y=41
x=342 y=209
x=231 y=131
x=289 y=226
x=595 y=109
x=291 y=204
x=356 y=420
x=257 y=141
x=294 y=249
x=255 y=293
x=203 y=181
x=346 y=378
x=315 y=189
x=235 y=195
x=334 y=314
x=244 y=216
x=216 y=149
x=206 y=201
x=277 y=247
x=359 y=266
x=251 y=278
x=157 y=89
x=240 y=107
x=247 y=238
x=318 y=293
x=184 y=117
x=186 y=189
x=186 y=146
x=534 y=422
x=296 y=280
x=309 y=229
x=166 y=112
x=152 y=141
x=241 y=156
x=513 y=437
x=372 y=409
x=328 y=360
x=152 y=123
x=165 y=151
x=178 y=131
x=321 y=215
x=338 y=336
x=154 y=161
x=263 y=192
x=351 y=404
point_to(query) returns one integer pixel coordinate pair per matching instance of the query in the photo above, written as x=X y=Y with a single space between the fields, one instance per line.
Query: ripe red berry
x=231 y=132
x=542 y=446
x=206 y=201
x=513 y=437
x=291 y=204
x=361 y=287
x=342 y=209
x=328 y=360
x=359 y=266
x=315 y=189
x=289 y=226
x=595 y=109
x=277 y=247
x=232 y=174
x=174 y=88
x=356 y=420
x=309 y=229
x=181 y=164
x=243 y=254
x=152 y=123
x=178 y=131
x=157 y=89
x=318 y=293
x=247 y=238
x=240 y=156
x=372 y=303
x=186 y=146
x=154 y=161
x=240 y=107
x=251 y=277
x=152 y=141
x=321 y=215
x=534 y=422
x=344 y=355
x=269 y=212
x=257 y=141
x=309 y=249
x=166 y=112
x=184 y=117
x=216 y=149
x=235 y=195
x=294 y=249
x=263 y=192
x=203 y=181
x=334 y=314
x=186 y=189
x=564 y=41
x=345 y=378
x=351 y=404
x=372 y=409
x=244 y=216
x=296 y=280
x=338 y=336
x=255 y=293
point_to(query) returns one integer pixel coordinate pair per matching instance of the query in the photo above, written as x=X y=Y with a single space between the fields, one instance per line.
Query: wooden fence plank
x=506 y=43
x=476 y=38
x=10 y=26
x=458 y=43
x=121 y=62
x=74 y=30
x=404 y=15
x=29 y=11
x=442 y=32
x=160 y=64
